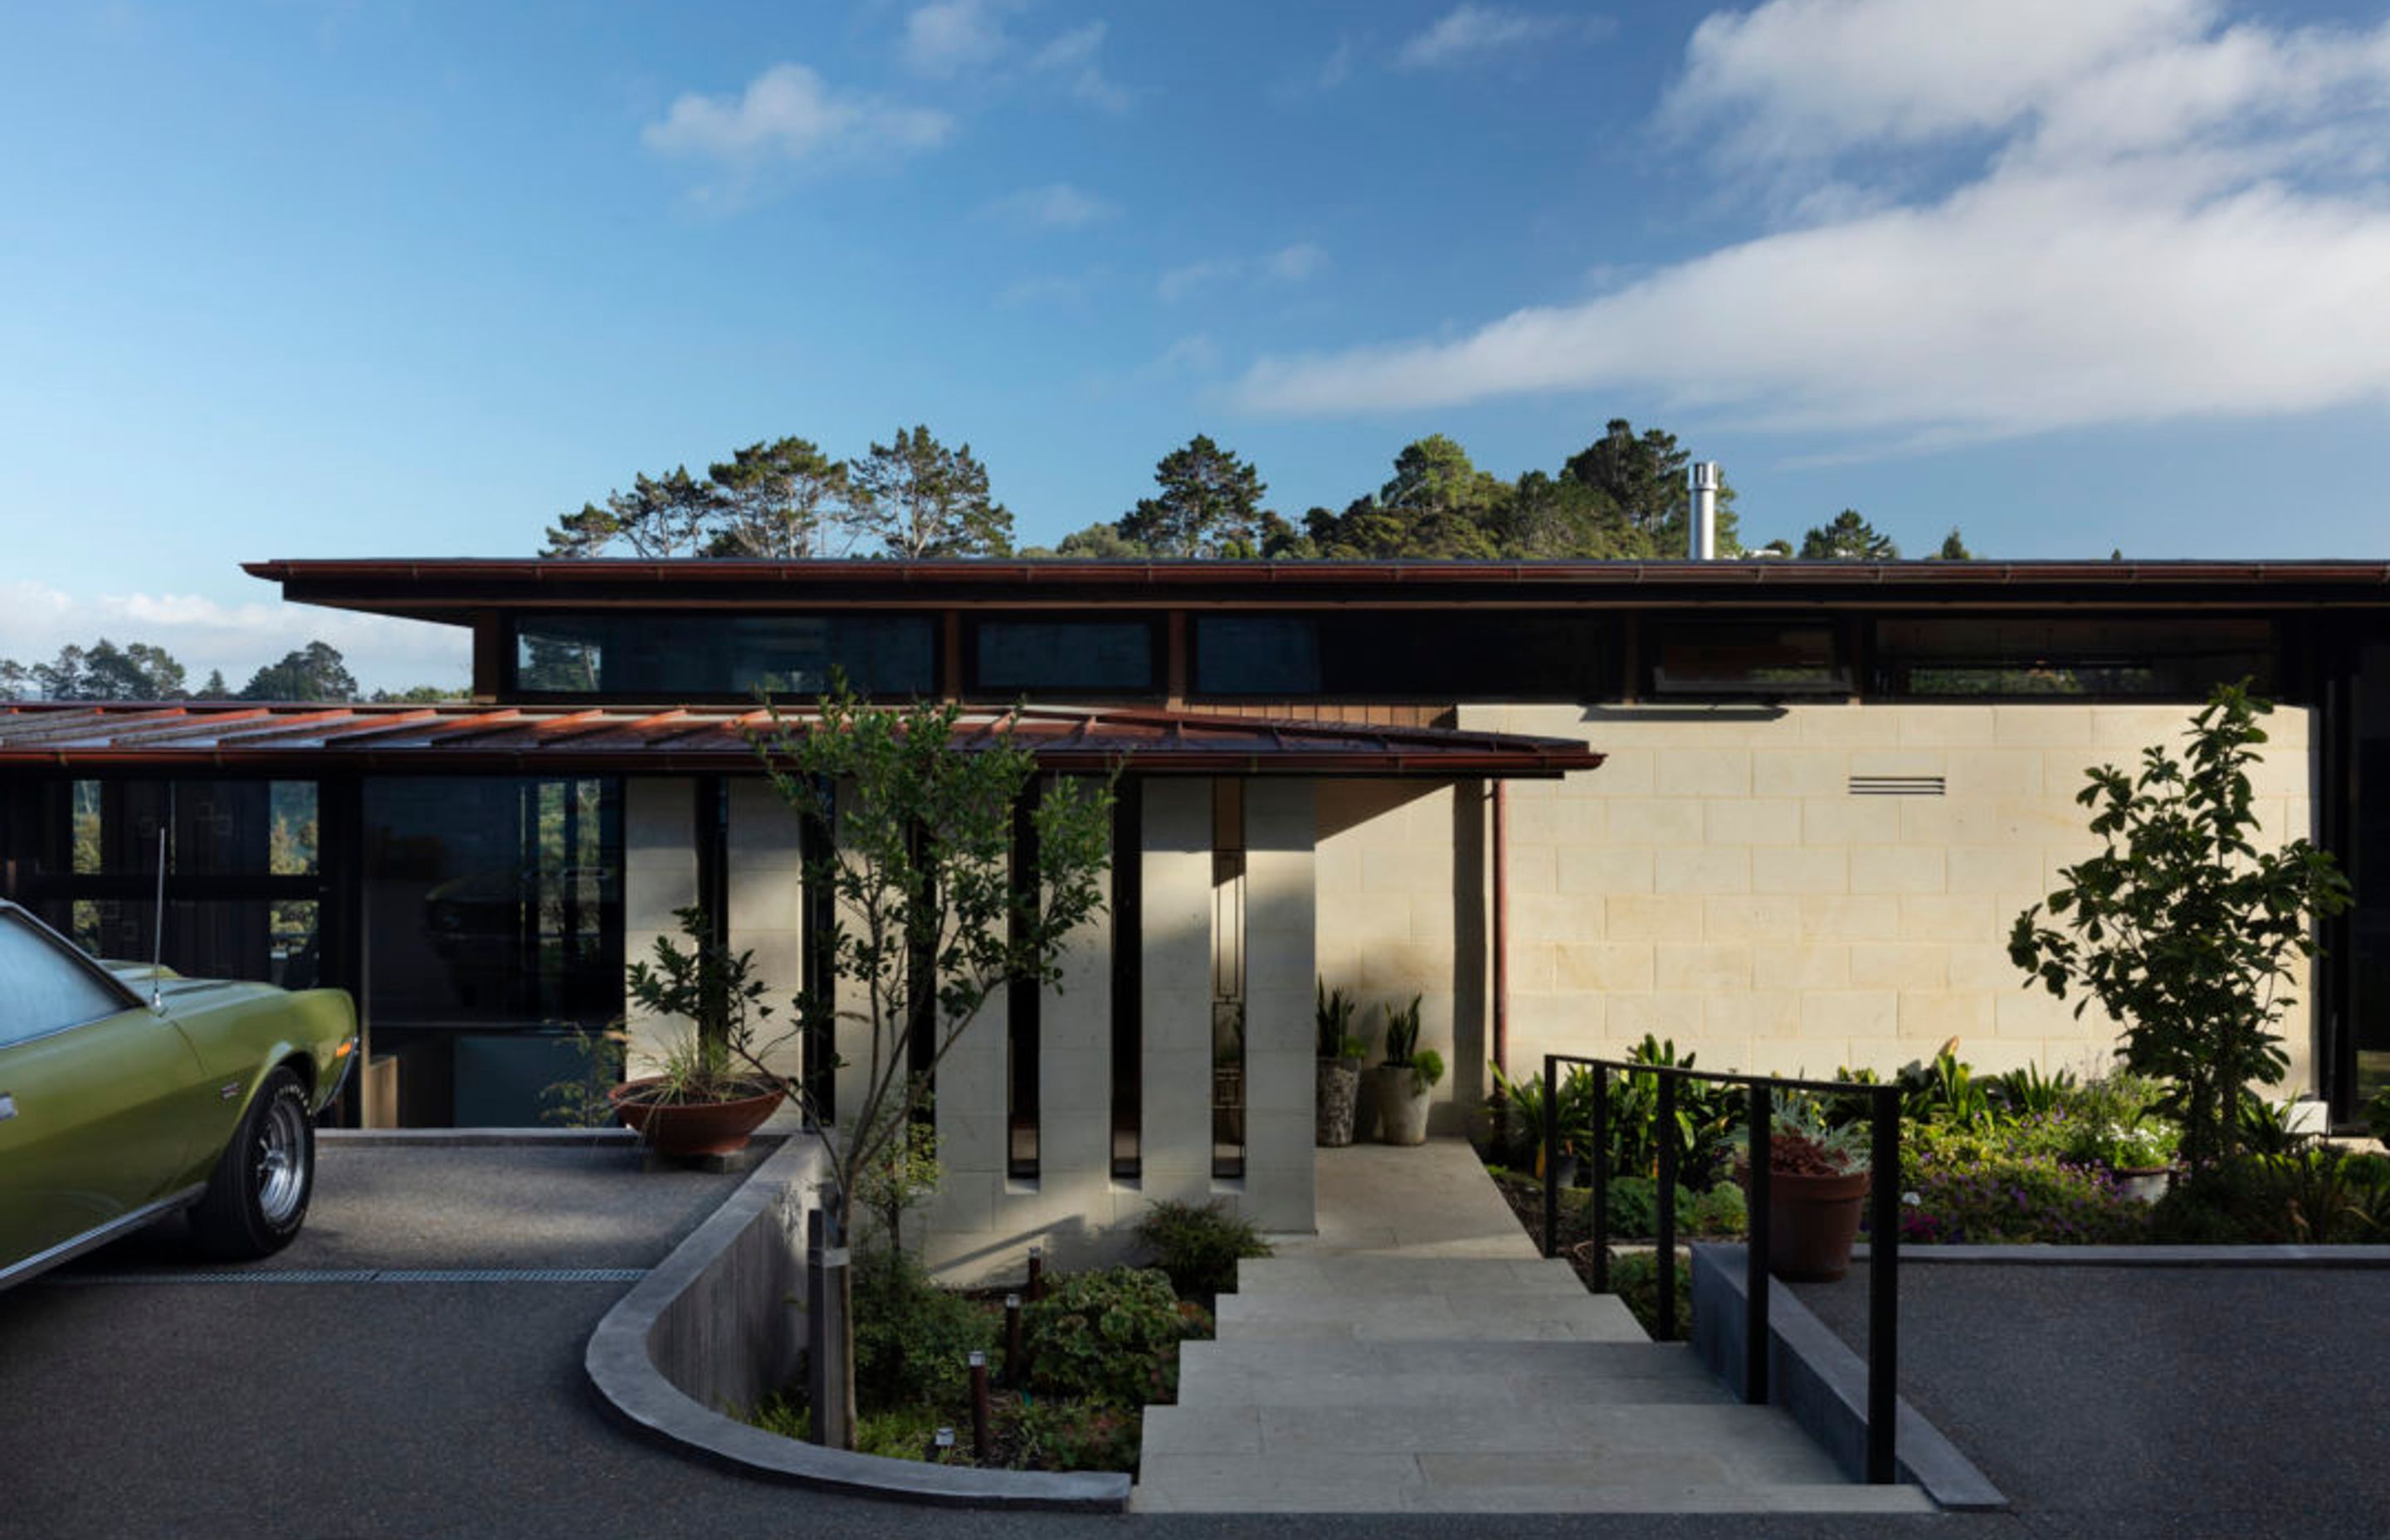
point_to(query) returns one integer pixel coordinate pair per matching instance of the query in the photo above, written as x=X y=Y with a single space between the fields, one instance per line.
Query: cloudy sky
x=327 y=277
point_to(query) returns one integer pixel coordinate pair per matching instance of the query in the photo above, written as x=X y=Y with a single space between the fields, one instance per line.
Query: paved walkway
x=1416 y=1356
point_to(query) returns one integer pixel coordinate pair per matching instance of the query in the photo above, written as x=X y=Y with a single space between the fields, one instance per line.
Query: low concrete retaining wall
x=719 y=1325
x=1814 y=1375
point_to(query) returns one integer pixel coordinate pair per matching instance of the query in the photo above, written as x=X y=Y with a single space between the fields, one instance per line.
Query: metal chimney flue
x=1704 y=519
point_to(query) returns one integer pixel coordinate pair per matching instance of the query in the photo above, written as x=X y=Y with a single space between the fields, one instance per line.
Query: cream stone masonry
x=1718 y=881
x=658 y=876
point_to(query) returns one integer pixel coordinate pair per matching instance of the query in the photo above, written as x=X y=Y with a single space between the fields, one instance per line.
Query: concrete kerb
x=719 y=1314
x=2141 y=1256
x=475 y=1138
x=1814 y=1374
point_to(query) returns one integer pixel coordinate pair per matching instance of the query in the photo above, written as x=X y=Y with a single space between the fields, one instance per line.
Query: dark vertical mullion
x=921 y=975
x=1128 y=981
x=820 y=981
x=1021 y=1148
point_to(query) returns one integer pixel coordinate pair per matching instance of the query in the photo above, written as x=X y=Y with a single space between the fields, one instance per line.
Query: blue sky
x=300 y=278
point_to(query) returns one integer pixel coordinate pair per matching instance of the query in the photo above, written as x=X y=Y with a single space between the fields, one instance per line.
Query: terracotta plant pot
x=686 y=1129
x=1402 y=1112
x=1812 y=1222
x=1340 y=1096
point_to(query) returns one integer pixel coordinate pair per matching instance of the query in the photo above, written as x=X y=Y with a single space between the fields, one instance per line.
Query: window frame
x=1603 y=672
x=1844 y=683
x=1157 y=654
x=1880 y=672
x=108 y=983
x=513 y=690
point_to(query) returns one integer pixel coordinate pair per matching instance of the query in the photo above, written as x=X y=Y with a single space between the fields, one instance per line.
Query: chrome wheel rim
x=281 y=1161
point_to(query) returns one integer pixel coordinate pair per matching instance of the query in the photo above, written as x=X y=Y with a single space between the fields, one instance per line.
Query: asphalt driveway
x=136 y=1401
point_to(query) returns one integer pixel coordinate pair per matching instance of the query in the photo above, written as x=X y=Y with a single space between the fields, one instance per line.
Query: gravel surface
x=2149 y=1400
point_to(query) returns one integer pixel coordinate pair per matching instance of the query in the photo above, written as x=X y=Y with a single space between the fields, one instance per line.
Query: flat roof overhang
x=455 y=591
x=295 y=738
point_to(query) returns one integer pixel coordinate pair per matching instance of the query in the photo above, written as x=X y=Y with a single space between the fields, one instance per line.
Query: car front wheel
x=258 y=1195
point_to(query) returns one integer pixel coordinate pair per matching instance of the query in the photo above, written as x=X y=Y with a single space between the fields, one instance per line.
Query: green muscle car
x=128 y=1092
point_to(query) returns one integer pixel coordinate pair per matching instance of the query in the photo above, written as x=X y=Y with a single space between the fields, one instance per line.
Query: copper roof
x=459 y=737
x=453 y=589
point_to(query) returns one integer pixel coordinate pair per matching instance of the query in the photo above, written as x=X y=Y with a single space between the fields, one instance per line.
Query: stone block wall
x=1718 y=882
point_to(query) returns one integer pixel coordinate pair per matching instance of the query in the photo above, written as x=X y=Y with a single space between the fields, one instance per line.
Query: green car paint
x=113 y=1121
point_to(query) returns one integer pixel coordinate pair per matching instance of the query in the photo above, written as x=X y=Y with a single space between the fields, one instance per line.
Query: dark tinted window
x=1411 y=655
x=2147 y=659
x=42 y=989
x=1747 y=657
x=1074 y=655
x=657 y=656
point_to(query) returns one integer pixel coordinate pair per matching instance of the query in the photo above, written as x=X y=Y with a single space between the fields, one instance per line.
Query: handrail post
x=1599 y=1156
x=1667 y=1235
x=1756 y=1280
x=1883 y=1287
x=1552 y=1154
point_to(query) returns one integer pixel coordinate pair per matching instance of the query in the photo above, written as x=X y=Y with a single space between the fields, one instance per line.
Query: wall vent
x=1896 y=786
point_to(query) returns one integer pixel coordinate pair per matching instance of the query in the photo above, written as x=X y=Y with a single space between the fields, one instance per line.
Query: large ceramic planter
x=1812 y=1224
x=687 y=1129
x=2146 y=1182
x=1340 y=1096
x=1402 y=1112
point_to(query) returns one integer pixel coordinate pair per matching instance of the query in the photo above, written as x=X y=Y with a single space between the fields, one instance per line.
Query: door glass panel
x=42 y=989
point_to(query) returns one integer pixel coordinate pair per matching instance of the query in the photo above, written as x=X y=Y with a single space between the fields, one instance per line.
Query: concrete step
x=1714 y=1444
x=1395 y=1483
x=1350 y=1372
x=1539 y=1314
x=1373 y=1276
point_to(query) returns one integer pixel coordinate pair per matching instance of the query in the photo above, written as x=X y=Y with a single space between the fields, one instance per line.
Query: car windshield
x=43 y=989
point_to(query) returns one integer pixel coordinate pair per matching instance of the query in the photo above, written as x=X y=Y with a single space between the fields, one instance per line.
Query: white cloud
x=204 y=634
x=1470 y=32
x=1056 y=206
x=1295 y=264
x=1288 y=265
x=789 y=113
x=1078 y=55
x=1337 y=68
x=945 y=38
x=2172 y=218
x=1192 y=355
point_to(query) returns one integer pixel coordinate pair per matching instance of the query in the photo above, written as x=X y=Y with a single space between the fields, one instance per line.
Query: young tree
x=933 y=921
x=106 y=672
x=1101 y=542
x=2182 y=929
x=918 y=498
x=780 y=500
x=215 y=689
x=1211 y=504
x=1954 y=549
x=1848 y=538
x=315 y=672
x=1644 y=478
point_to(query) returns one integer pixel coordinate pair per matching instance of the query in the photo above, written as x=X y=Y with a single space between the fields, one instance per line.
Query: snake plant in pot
x=1405 y=1079
x=1340 y=1065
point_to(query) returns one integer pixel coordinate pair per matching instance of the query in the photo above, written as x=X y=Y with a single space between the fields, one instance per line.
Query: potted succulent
x=1817 y=1190
x=712 y=1093
x=1405 y=1078
x=1340 y=1065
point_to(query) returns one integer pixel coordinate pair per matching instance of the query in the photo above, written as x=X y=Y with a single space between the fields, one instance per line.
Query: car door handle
x=7 y=1107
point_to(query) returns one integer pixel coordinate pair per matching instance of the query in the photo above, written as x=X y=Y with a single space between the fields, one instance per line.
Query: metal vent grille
x=1896 y=786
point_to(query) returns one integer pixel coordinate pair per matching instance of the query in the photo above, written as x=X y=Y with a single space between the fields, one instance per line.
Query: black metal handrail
x=1883 y=1242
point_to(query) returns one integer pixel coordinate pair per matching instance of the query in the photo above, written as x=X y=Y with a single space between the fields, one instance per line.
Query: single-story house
x=1781 y=812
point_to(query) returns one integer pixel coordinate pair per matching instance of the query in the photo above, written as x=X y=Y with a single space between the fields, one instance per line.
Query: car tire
x=257 y=1197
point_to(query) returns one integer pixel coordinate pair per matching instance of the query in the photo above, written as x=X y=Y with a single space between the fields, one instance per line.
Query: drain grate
x=1896 y=786
x=370 y=1274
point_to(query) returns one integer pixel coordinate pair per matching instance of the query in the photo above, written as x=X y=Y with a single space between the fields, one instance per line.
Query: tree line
x=140 y=670
x=1623 y=496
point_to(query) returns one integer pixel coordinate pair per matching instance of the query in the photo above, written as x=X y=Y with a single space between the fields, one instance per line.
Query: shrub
x=1635 y=1206
x=1974 y=1197
x=1110 y=1336
x=1078 y=1438
x=899 y=1432
x=1199 y=1246
x=2316 y=1196
x=1721 y=1211
x=912 y=1339
x=1635 y=1278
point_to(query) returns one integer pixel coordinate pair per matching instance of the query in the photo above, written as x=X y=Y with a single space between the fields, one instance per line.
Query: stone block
x=1700 y=870
x=1850 y=917
x=1965 y=918
x=1807 y=870
x=1656 y=916
x=1945 y=726
x=1610 y=869
x=1992 y=868
x=1551 y=916
x=1799 y=773
x=1846 y=820
x=1702 y=772
x=1827 y=1014
x=1940 y=1016
x=1850 y=726
x=1898 y=869
x=1806 y=966
x=2041 y=726
x=1769 y=917
x=1753 y=821
x=1655 y=821
x=1877 y=965
x=1603 y=967
x=1995 y=773
x=1676 y=1016
x=1701 y=966
x=1730 y=1017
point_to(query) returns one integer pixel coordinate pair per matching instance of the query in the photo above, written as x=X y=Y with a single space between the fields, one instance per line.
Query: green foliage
x=1953 y=549
x=1427 y=1069
x=2317 y=1195
x=1333 y=1019
x=101 y=672
x=915 y=497
x=907 y=1432
x=775 y=499
x=2026 y=1092
x=1210 y=504
x=315 y=672
x=1635 y=1206
x=1850 y=538
x=582 y=1101
x=1723 y=1210
x=903 y=1175
x=912 y=1339
x=1108 y=1337
x=2377 y=1115
x=1102 y=542
x=715 y=990
x=2182 y=928
x=1707 y=1113
x=787 y=1416
x=1058 y=1436
x=1967 y=1190
x=1199 y=1246
x=1635 y=1278
x=1515 y=1120
x=1402 y=1034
